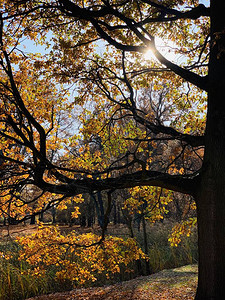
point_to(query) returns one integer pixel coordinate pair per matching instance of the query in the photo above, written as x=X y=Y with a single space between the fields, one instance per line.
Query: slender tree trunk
x=53 y=211
x=32 y=220
x=147 y=266
x=114 y=213
x=99 y=208
x=41 y=217
x=118 y=215
x=211 y=195
x=128 y=220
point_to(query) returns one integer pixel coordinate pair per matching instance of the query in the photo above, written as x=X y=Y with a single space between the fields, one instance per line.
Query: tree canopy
x=91 y=113
x=120 y=96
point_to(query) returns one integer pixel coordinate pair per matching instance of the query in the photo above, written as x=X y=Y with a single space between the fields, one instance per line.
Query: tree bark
x=211 y=235
x=32 y=220
x=145 y=238
x=211 y=195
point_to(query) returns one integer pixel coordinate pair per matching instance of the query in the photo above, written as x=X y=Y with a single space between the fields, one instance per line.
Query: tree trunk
x=114 y=213
x=41 y=217
x=99 y=208
x=118 y=214
x=211 y=230
x=32 y=220
x=211 y=195
x=53 y=211
x=147 y=266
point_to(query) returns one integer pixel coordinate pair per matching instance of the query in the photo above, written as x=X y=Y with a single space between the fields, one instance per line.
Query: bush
x=17 y=282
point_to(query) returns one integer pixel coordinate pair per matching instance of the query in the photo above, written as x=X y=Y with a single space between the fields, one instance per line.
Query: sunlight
x=149 y=55
x=167 y=49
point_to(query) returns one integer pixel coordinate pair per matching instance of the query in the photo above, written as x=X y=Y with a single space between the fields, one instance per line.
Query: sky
x=30 y=46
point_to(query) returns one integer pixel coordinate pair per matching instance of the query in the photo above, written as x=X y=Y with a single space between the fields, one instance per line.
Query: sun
x=149 y=55
x=167 y=49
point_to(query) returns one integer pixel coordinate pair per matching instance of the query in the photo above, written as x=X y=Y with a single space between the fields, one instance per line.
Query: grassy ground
x=179 y=284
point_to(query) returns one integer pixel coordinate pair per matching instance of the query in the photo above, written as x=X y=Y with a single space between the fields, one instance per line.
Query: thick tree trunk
x=211 y=195
x=211 y=227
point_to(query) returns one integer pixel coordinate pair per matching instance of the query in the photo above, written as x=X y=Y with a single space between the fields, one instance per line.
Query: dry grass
x=179 y=284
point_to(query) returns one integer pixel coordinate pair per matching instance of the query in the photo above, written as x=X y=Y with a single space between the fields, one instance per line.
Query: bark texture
x=211 y=196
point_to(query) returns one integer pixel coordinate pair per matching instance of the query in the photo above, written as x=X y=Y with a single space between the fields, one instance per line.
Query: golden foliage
x=179 y=230
x=76 y=257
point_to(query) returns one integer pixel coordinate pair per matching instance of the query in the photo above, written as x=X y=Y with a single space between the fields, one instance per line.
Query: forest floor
x=20 y=230
x=174 y=284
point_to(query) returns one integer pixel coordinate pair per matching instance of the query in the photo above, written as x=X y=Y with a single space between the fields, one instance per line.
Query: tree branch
x=180 y=183
x=194 y=13
x=73 y=10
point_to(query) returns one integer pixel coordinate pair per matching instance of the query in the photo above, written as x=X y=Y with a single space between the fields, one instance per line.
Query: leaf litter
x=174 y=284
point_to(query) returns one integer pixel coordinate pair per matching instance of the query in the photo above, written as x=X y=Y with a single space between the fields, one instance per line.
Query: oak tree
x=98 y=48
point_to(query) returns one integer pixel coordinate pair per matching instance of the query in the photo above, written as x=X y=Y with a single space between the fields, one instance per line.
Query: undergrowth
x=16 y=283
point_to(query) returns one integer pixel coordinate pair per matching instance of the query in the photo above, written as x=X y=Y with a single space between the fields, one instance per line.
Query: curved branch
x=21 y=105
x=194 y=13
x=73 y=10
x=186 y=184
x=192 y=140
x=199 y=81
